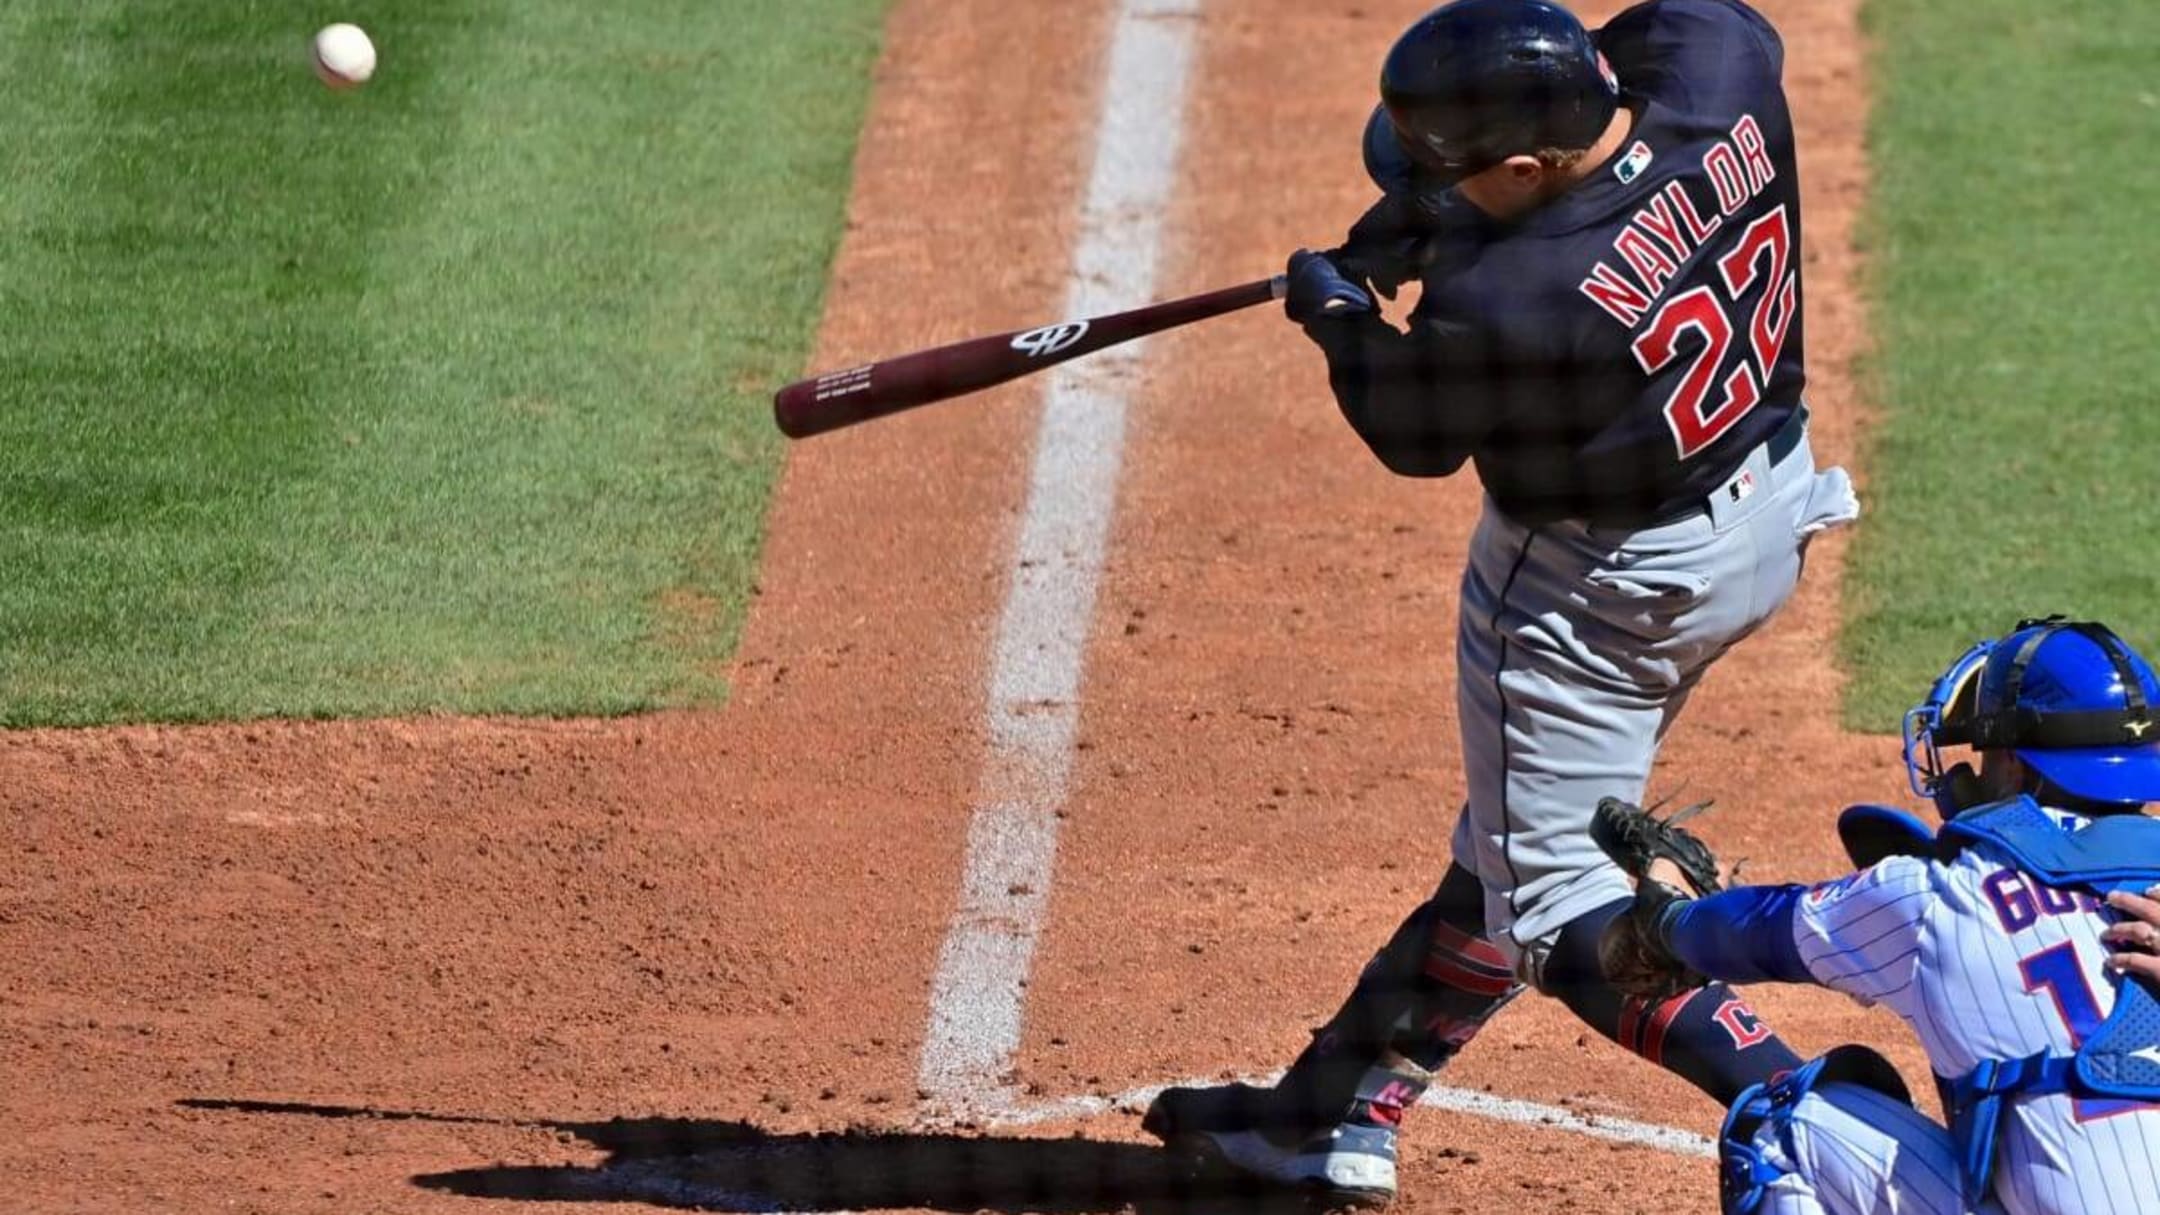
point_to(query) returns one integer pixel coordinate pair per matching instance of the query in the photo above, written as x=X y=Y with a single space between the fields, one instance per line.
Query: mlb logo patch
x=1631 y=165
x=1741 y=486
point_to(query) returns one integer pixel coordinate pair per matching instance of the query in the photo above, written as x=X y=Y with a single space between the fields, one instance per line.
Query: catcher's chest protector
x=2122 y=1059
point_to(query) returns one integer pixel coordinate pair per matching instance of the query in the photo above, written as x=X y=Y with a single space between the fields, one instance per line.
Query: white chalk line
x=979 y=990
x=1458 y=1100
x=663 y=1182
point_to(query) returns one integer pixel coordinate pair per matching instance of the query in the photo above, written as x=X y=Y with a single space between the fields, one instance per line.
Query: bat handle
x=1279 y=286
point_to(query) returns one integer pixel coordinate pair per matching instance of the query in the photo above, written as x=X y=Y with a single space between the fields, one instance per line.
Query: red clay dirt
x=407 y=966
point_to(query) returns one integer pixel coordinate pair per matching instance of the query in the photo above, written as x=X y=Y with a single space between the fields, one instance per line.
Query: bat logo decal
x=1050 y=339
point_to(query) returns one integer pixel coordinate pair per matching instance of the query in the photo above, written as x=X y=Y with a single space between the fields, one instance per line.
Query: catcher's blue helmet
x=1477 y=81
x=2070 y=698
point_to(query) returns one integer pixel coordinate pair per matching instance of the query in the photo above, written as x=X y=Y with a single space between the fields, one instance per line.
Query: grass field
x=2014 y=254
x=449 y=394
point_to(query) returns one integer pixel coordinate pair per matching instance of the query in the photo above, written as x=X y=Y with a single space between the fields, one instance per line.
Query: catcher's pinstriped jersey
x=1984 y=962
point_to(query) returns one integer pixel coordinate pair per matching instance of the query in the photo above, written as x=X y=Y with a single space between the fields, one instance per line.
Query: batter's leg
x=1330 y=1124
x=1421 y=998
x=1576 y=649
x=1709 y=1036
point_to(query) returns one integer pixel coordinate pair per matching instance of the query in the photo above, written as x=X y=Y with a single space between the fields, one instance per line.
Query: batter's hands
x=1388 y=246
x=1320 y=291
x=2137 y=939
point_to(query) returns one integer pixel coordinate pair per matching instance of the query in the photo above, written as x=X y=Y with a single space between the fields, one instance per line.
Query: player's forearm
x=1744 y=935
x=1387 y=397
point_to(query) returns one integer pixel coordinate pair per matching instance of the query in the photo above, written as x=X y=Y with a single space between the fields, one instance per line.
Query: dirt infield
x=407 y=966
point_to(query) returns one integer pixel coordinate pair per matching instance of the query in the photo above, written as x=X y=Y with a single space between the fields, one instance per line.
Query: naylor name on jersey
x=1667 y=231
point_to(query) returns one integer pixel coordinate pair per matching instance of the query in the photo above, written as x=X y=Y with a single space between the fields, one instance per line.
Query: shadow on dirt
x=705 y=1164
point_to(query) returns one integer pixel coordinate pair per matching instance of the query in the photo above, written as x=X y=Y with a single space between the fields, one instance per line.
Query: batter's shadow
x=714 y=1165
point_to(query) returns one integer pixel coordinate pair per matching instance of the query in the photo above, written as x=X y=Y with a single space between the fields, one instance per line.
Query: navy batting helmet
x=1478 y=81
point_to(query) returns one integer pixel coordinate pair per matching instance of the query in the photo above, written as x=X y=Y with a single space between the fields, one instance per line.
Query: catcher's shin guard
x=1745 y=1174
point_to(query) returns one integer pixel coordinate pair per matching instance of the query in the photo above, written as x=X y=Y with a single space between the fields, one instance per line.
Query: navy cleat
x=1248 y=1130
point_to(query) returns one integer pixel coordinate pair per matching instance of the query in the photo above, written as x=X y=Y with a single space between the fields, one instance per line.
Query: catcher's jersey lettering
x=2018 y=900
x=1985 y=962
x=2057 y=972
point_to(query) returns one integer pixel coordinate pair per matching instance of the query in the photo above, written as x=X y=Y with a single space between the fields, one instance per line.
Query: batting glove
x=1320 y=291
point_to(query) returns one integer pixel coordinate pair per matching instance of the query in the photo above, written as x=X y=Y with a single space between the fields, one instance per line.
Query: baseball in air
x=344 y=57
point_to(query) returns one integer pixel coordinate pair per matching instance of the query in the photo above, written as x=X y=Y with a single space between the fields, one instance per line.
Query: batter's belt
x=1776 y=447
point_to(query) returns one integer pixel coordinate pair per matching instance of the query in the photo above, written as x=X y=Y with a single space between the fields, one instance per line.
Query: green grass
x=2015 y=260
x=448 y=394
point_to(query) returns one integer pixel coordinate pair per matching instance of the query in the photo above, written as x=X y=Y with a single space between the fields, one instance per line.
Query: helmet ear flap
x=1387 y=161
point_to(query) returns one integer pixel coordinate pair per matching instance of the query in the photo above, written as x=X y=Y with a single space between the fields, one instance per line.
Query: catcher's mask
x=2070 y=698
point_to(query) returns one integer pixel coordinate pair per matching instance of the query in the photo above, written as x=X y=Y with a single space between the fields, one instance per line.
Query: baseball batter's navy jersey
x=1615 y=353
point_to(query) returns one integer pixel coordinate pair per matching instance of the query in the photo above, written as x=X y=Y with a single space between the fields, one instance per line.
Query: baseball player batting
x=1991 y=940
x=1607 y=230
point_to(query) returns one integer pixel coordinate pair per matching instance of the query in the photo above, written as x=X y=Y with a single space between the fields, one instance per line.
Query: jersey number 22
x=1700 y=311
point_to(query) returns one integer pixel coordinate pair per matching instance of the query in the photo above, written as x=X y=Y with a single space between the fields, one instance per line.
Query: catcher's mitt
x=1633 y=952
x=1635 y=838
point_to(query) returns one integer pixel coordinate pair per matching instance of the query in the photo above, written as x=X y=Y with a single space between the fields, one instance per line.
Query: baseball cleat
x=1241 y=1127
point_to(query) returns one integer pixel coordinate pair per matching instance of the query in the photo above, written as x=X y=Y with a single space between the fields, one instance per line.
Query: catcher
x=1991 y=939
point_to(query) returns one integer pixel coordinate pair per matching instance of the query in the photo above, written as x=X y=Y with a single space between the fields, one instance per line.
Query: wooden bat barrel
x=839 y=399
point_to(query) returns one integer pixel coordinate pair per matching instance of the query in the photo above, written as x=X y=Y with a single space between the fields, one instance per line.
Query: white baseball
x=344 y=57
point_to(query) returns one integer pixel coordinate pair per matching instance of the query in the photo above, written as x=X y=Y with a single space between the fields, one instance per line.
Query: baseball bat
x=875 y=390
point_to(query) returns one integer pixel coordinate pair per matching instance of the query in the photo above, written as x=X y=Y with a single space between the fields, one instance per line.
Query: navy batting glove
x=1318 y=291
